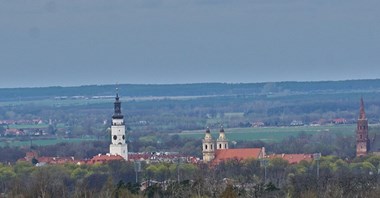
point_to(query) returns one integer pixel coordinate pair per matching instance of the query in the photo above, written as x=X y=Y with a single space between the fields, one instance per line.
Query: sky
x=86 y=42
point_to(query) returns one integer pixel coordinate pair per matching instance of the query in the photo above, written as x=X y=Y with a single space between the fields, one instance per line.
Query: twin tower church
x=217 y=151
x=209 y=148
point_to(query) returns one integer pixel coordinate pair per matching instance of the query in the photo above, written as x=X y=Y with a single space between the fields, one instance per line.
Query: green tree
x=6 y=175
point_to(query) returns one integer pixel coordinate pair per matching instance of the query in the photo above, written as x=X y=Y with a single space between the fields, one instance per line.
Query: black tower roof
x=117 y=108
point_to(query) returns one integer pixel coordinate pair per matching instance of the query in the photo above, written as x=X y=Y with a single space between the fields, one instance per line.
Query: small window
x=220 y=146
x=225 y=146
x=206 y=146
x=114 y=137
x=211 y=146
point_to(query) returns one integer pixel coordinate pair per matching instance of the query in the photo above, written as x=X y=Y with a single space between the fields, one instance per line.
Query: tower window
x=225 y=146
x=206 y=146
x=220 y=146
x=114 y=137
x=211 y=146
x=123 y=137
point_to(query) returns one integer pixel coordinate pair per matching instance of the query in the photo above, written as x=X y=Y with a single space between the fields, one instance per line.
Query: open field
x=40 y=142
x=271 y=134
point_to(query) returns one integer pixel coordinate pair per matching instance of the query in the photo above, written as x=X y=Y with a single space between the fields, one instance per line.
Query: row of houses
x=24 y=132
x=222 y=155
x=22 y=122
x=155 y=157
x=320 y=122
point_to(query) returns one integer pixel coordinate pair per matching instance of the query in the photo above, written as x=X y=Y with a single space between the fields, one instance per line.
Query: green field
x=39 y=142
x=271 y=134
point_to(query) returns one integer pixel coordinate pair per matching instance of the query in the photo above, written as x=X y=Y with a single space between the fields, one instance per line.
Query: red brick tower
x=362 y=140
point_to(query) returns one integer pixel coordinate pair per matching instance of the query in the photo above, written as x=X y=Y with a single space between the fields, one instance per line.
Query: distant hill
x=197 y=89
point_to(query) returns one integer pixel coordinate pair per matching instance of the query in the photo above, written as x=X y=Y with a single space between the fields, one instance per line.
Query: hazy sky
x=77 y=42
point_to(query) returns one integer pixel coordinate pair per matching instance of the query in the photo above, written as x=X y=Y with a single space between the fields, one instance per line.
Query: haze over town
x=46 y=43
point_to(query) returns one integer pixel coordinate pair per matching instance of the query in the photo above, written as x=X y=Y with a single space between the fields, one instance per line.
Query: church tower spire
x=118 y=145
x=362 y=140
x=362 y=112
x=117 y=107
x=208 y=147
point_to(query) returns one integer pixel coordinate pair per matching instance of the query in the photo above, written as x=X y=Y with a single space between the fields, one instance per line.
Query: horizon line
x=190 y=83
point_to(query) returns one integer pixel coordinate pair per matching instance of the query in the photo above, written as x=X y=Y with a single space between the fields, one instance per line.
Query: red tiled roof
x=56 y=160
x=30 y=155
x=293 y=158
x=104 y=158
x=240 y=154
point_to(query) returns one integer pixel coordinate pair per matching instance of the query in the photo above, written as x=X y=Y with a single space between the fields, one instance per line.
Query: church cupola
x=222 y=141
x=208 y=134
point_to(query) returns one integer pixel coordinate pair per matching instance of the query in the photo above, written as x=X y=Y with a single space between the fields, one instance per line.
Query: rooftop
x=240 y=154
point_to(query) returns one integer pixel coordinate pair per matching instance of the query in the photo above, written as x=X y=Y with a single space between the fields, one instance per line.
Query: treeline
x=176 y=115
x=169 y=115
x=191 y=89
x=328 y=177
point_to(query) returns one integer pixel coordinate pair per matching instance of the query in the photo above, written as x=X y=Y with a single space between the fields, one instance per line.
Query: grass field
x=271 y=134
x=40 y=142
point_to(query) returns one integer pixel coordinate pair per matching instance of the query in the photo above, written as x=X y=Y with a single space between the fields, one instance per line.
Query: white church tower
x=208 y=147
x=118 y=145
